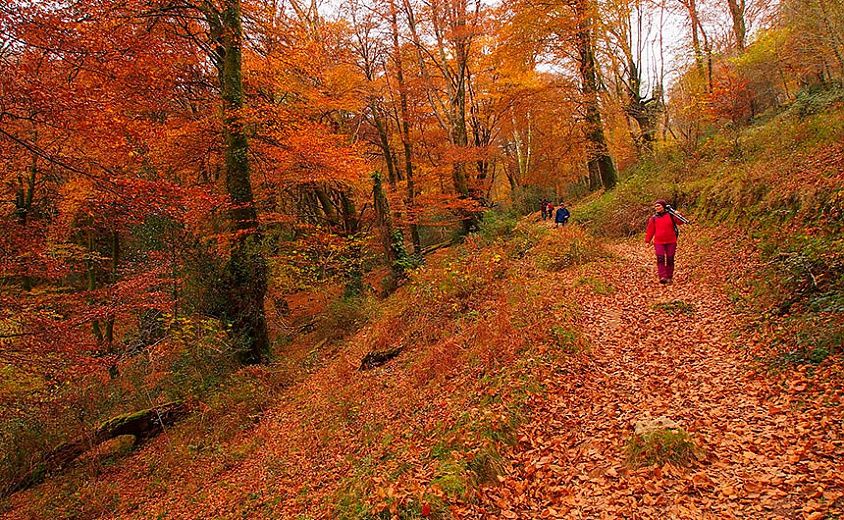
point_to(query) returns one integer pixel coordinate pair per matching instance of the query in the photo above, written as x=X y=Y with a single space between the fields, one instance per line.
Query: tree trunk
x=384 y=140
x=459 y=135
x=23 y=205
x=247 y=269
x=109 y=325
x=92 y=284
x=327 y=206
x=375 y=359
x=407 y=145
x=599 y=161
x=391 y=238
x=350 y=213
x=737 y=12
x=691 y=6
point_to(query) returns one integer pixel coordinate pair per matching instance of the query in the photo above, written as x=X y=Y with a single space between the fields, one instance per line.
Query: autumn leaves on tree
x=142 y=135
x=174 y=172
x=256 y=116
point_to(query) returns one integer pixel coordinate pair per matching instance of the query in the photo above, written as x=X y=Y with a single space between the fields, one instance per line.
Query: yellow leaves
x=74 y=195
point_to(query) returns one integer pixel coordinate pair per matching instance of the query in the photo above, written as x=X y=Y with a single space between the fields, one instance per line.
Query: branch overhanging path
x=768 y=451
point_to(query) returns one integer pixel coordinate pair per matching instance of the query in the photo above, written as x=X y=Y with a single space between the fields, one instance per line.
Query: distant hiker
x=562 y=216
x=544 y=208
x=550 y=210
x=662 y=232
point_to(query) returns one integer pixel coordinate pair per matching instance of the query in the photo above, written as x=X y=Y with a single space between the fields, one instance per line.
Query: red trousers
x=665 y=260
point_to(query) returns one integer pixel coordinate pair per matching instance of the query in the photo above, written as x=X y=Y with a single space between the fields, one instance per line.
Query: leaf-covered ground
x=495 y=354
x=772 y=442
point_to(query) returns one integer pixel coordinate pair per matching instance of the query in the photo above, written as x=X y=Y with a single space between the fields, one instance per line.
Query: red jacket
x=661 y=229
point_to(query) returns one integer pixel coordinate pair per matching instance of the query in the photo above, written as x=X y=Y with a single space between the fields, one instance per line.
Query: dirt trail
x=771 y=451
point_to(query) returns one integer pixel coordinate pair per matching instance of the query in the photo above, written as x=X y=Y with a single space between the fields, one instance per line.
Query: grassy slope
x=480 y=330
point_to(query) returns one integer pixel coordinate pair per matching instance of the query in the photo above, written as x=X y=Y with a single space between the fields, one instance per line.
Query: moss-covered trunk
x=142 y=425
x=599 y=161
x=391 y=238
x=247 y=269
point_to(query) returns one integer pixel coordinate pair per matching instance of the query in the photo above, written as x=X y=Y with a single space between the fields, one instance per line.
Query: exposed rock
x=649 y=425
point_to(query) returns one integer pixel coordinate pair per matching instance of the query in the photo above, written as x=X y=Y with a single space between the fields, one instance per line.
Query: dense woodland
x=181 y=181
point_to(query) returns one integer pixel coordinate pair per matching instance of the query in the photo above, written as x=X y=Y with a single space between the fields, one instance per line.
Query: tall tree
x=246 y=269
x=453 y=26
x=599 y=162
x=404 y=123
x=738 y=10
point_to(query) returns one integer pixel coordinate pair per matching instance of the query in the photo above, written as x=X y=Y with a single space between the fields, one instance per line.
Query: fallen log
x=142 y=425
x=430 y=249
x=378 y=357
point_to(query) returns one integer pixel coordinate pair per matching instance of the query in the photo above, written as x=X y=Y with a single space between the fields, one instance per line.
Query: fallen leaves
x=773 y=443
x=772 y=449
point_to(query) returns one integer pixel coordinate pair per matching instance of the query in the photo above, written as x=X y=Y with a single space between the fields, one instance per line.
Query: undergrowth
x=196 y=364
x=567 y=247
x=675 y=307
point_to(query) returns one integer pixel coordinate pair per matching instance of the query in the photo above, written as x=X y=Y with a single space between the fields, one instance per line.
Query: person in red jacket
x=662 y=232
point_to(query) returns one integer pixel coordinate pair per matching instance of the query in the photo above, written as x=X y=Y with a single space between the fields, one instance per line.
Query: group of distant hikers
x=662 y=231
x=560 y=214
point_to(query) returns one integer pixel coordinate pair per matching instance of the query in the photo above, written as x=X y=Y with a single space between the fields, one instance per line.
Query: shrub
x=525 y=239
x=345 y=316
x=813 y=342
x=567 y=247
x=497 y=224
x=817 y=98
x=624 y=211
x=660 y=446
x=453 y=285
x=525 y=200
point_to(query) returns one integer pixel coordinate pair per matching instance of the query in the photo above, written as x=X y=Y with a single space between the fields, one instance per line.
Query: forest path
x=771 y=451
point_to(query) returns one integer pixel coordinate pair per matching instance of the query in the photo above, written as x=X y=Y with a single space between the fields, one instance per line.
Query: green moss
x=569 y=340
x=452 y=478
